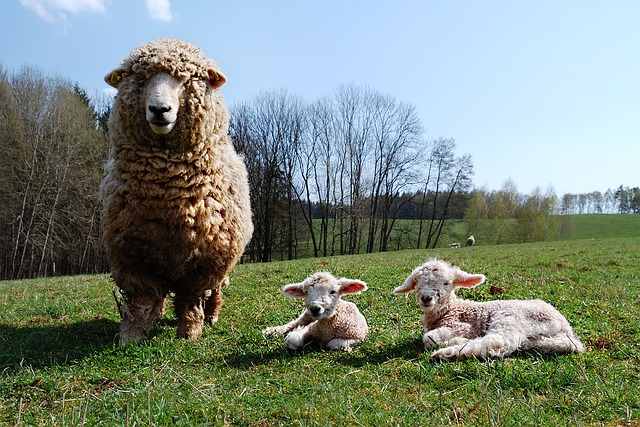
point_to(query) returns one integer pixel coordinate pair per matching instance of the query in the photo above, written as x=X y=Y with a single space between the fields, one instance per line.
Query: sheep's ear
x=408 y=285
x=114 y=77
x=216 y=78
x=294 y=290
x=351 y=286
x=466 y=280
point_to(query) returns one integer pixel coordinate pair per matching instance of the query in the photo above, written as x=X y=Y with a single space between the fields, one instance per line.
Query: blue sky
x=545 y=93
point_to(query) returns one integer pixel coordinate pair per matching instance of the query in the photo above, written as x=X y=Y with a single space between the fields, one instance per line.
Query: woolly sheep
x=176 y=215
x=471 y=240
x=482 y=329
x=327 y=320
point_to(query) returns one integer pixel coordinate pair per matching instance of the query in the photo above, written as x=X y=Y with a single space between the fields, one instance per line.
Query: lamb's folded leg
x=304 y=319
x=490 y=345
x=342 y=344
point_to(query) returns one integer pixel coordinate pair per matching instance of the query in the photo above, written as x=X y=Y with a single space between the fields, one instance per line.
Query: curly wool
x=176 y=214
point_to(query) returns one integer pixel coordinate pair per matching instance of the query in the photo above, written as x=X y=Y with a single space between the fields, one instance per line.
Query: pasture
x=60 y=363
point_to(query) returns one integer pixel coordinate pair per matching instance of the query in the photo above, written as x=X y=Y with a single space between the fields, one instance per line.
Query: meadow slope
x=61 y=364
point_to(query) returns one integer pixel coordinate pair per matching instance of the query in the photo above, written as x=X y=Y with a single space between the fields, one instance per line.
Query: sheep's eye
x=332 y=292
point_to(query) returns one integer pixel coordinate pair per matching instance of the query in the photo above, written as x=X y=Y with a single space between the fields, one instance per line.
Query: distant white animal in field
x=482 y=329
x=471 y=240
x=454 y=245
x=327 y=321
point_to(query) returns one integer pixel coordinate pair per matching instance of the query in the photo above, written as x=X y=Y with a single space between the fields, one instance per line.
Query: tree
x=52 y=150
x=268 y=132
x=446 y=174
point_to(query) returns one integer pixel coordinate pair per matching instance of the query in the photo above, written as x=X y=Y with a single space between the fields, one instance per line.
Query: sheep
x=454 y=245
x=471 y=240
x=176 y=213
x=482 y=329
x=327 y=321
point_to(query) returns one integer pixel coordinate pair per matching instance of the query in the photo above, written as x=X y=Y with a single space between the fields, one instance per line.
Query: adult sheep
x=176 y=214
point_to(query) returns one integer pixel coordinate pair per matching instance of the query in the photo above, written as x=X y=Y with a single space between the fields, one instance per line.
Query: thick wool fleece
x=176 y=212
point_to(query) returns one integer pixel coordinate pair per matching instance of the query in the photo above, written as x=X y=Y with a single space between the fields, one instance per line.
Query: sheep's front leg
x=301 y=321
x=438 y=337
x=299 y=337
x=190 y=314
x=213 y=302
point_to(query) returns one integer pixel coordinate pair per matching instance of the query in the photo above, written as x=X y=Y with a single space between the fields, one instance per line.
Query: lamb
x=482 y=329
x=454 y=245
x=176 y=214
x=471 y=240
x=327 y=321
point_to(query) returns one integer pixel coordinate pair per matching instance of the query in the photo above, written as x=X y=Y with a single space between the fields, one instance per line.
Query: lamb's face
x=321 y=292
x=434 y=283
x=162 y=101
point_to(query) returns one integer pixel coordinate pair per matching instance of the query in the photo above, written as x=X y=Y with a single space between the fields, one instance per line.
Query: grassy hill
x=61 y=364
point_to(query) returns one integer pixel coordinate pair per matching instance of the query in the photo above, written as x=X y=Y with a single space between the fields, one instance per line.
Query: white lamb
x=482 y=329
x=327 y=320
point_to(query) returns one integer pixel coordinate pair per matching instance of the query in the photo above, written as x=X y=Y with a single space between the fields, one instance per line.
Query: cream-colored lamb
x=482 y=329
x=327 y=321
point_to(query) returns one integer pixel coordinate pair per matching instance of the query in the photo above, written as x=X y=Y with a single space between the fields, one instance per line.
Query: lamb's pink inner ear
x=466 y=280
x=293 y=291
x=216 y=78
x=352 y=287
x=408 y=286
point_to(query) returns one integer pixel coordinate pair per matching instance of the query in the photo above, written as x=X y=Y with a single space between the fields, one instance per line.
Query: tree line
x=351 y=172
x=332 y=173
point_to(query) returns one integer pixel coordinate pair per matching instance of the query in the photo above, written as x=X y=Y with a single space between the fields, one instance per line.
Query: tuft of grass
x=60 y=362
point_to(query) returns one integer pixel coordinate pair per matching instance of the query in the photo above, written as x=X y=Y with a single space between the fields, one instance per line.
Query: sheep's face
x=322 y=291
x=434 y=283
x=162 y=101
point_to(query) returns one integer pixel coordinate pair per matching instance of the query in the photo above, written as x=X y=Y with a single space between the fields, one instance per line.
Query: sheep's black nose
x=159 y=109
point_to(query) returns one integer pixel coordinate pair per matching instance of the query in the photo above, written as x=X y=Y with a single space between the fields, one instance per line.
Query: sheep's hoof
x=210 y=320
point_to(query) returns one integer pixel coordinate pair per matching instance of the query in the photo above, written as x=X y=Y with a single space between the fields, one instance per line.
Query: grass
x=60 y=363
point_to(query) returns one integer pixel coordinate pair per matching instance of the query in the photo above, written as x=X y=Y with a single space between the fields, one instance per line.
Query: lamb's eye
x=332 y=292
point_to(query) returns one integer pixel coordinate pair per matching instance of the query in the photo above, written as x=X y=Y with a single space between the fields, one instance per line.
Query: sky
x=542 y=93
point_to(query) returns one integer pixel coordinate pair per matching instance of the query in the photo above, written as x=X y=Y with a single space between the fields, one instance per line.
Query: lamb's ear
x=294 y=290
x=408 y=285
x=466 y=280
x=114 y=77
x=351 y=286
x=216 y=78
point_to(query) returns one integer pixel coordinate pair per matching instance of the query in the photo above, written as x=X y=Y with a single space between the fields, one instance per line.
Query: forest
x=339 y=175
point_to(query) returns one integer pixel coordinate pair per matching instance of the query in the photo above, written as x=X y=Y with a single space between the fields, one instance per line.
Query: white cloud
x=160 y=10
x=56 y=10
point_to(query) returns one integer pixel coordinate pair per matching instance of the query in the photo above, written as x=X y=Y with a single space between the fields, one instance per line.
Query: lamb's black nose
x=426 y=299
x=315 y=309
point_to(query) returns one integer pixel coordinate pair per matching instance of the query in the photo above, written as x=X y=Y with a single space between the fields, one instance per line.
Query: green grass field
x=60 y=363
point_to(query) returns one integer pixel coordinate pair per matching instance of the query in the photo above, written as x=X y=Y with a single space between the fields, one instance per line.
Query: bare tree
x=446 y=174
x=268 y=132
x=53 y=151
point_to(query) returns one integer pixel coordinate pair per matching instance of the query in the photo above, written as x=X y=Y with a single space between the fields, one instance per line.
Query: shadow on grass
x=39 y=345
x=360 y=356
